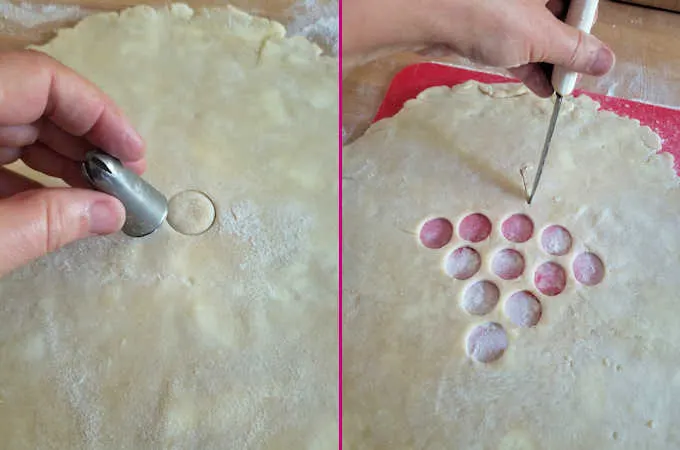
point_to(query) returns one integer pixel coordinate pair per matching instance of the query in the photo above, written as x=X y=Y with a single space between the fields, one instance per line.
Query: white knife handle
x=581 y=15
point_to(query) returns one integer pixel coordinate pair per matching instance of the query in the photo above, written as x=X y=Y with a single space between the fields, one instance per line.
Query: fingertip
x=135 y=142
x=575 y=50
x=138 y=167
x=603 y=62
x=8 y=155
x=131 y=148
x=40 y=221
x=114 y=134
x=535 y=79
x=106 y=215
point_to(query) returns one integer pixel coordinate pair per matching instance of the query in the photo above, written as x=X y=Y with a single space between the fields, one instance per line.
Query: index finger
x=33 y=85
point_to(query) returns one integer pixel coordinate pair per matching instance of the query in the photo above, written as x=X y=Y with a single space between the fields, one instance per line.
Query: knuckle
x=58 y=224
x=535 y=46
x=48 y=222
x=536 y=53
x=52 y=225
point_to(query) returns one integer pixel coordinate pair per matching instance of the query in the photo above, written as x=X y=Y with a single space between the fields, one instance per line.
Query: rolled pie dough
x=225 y=340
x=599 y=369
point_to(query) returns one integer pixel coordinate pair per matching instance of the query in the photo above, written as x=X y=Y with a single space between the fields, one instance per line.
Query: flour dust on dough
x=581 y=348
x=222 y=340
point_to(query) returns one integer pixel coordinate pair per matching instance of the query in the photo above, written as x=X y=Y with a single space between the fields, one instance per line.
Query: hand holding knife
x=581 y=15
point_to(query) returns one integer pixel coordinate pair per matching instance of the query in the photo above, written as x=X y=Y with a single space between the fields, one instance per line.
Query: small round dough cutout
x=556 y=240
x=508 y=264
x=475 y=228
x=550 y=279
x=191 y=213
x=517 y=228
x=480 y=298
x=523 y=309
x=436 y=233
x=588 y=269
x=462 y=263
x=487 y=342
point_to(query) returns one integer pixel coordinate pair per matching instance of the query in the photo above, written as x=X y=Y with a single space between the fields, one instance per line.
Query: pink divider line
x=340 y=234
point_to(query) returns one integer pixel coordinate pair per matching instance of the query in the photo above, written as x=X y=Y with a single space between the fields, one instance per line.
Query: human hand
x=49 y=118
x=514 y=34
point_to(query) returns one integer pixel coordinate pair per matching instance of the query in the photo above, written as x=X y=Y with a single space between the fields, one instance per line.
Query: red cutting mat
x=414 y=79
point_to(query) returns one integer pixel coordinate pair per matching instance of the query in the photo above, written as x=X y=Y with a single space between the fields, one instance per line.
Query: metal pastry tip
x=546 y=147
x=145 y=207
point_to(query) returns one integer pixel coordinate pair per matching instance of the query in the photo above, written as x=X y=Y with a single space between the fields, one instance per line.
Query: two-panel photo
x=351 y=225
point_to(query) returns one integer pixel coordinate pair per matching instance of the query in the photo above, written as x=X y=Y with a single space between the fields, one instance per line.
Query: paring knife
x=581 y=15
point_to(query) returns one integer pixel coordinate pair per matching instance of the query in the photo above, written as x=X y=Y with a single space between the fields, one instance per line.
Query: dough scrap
x=191 y=212
x=602 y=360
x=223 y=340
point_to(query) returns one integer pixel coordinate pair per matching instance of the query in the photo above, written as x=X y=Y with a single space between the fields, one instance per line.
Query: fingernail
x=134 y=141
x=546 y=89
x=136 y=137
x=604 y=60
x=106 y=217
x=130 y=136
x=8 y=155
x=138 y=167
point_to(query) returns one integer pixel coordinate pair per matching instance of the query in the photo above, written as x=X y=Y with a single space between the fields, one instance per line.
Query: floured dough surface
x=225 y=340
x=574 y=354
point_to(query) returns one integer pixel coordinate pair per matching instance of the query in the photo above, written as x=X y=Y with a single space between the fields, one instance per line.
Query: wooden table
x=646 y=42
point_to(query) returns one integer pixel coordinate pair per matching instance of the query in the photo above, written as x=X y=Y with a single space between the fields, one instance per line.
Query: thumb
x=40 y=221
x=574 y=49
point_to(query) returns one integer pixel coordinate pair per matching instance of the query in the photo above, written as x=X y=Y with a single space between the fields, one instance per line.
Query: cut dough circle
x=517 y=228
x=523 y=309
x=436 y=233
x=191 y=212
x=462 y=263
x=474 y=228
x=550 y=278
x=508 y=264
x=480 y=297
x=556 y=240
x=487 y=342
x=588 y=269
